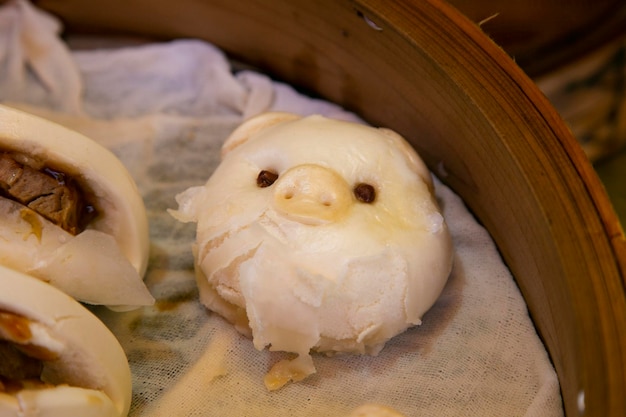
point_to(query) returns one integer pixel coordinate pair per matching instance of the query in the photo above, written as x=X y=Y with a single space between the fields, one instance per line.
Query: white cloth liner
x=164 y=109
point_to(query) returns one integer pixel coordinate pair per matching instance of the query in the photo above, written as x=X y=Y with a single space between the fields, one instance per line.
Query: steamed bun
x=316 y=234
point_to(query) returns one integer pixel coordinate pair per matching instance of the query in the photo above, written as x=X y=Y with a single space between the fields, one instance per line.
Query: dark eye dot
x=365 y=193
x=266 y=178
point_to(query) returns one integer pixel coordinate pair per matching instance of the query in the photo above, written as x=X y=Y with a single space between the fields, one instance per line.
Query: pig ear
x=253 y=126
x=414 y=161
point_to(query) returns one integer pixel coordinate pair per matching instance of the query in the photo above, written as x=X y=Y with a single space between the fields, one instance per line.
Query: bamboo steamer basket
x=425 y=70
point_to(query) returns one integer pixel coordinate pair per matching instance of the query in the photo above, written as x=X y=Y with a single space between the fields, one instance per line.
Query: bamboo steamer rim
x=426 y=71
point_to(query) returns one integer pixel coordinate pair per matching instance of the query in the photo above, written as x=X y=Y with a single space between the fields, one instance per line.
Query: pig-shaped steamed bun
x=317 y=234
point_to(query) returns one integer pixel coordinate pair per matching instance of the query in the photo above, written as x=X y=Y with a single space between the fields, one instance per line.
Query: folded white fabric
x=35 y=65
x=165 y=109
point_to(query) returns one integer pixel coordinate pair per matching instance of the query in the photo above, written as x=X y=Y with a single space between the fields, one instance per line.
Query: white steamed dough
x=104 y=264
x=302 y=264
x=85 y=369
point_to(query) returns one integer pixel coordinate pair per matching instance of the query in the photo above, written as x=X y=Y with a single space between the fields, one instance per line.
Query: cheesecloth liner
x=165 y=109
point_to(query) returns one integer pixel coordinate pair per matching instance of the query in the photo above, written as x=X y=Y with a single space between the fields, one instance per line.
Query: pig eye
x=266 y=178
x=364 y=192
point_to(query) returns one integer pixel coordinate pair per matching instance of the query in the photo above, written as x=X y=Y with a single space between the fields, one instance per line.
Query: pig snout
x=312 y=194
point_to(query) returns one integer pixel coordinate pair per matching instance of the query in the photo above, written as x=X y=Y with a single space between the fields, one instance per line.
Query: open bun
x=111 y=250
x=85 y=371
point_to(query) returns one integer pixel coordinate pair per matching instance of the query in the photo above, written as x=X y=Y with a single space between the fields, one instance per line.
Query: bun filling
x=52 y=194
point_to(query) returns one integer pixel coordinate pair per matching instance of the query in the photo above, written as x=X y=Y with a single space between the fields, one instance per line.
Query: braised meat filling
x=21 y=362
x=52 y=194
x=17 y=370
